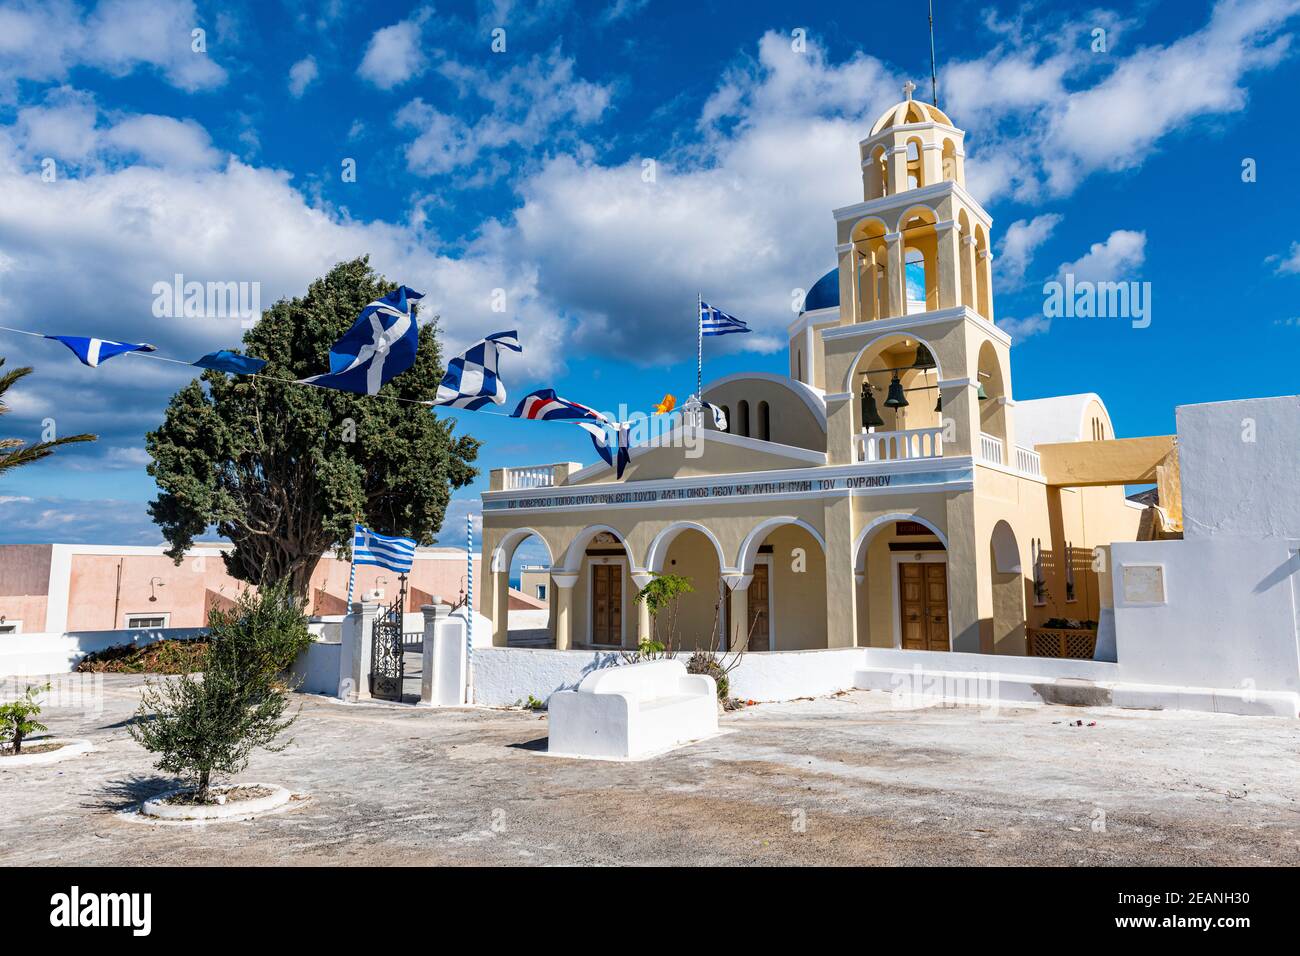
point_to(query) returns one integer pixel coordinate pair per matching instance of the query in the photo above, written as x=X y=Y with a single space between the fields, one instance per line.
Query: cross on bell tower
x=908 y=88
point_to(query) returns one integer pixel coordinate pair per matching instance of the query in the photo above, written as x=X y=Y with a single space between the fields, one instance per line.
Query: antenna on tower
x=934 y=75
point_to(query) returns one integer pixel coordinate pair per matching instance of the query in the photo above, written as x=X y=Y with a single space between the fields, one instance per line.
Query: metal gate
x=387 y=666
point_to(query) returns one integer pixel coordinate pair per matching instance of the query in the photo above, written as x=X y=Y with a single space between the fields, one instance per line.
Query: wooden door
x=607 y=604
x=759 y=627
x=923 y=605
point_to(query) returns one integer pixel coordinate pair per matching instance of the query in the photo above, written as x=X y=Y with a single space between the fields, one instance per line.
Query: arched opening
x=949 y=161
x=726 y=413
x=1004 y=631
x=602 y=610
x=871 y=275
x=901 y=573
x=523 y=592
x=915 y=164
x=764 y=422
x=877 y=174
x=742 y=419
x=782 y=606
x=921 y=258
x=698 y=621
x=992 y=406
x=896 y=407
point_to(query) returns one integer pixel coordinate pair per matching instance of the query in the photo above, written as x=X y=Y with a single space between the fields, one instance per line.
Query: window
x=135 y=622
x=764 y=422
x=742 y=419
x=541 y=592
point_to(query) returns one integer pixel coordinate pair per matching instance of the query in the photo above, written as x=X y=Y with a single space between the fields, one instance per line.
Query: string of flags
x=383 y=343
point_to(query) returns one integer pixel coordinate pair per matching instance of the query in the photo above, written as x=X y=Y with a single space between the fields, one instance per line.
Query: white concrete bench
x=634 y=710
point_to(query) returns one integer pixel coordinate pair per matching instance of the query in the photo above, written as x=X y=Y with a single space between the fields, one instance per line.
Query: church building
x=889 y=491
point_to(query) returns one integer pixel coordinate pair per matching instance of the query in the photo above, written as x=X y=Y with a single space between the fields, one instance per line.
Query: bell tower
x=918 y=241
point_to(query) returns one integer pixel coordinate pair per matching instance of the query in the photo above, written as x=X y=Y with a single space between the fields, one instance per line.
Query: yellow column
x=949 y=265
x=894 y=276
x=500 y=608
x=897 y=170
x=644 y=627
x=967 y=568
x=856 y=312
x=739 y=622
x=986 y=267
x=970 y=283
x=841 y=585
x=564 y=609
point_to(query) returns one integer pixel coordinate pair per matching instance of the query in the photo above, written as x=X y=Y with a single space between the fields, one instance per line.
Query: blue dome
x=825 y=293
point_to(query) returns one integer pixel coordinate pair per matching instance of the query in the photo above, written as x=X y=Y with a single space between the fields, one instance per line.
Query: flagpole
x=469 y=608
x=699 y=347
x=352 y=568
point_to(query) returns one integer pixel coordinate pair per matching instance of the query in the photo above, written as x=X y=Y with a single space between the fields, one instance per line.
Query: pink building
x=59 y=588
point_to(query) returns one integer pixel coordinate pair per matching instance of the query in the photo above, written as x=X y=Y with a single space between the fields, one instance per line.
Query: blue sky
x=522 y=170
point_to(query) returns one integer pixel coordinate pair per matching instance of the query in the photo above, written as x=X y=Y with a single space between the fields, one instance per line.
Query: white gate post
x=354 y=654
x=433 y=613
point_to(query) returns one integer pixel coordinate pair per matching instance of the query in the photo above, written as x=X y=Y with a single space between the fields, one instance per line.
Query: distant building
x=58 y=588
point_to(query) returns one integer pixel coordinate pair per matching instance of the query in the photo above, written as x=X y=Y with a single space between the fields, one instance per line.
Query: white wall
x=504 y=675
x=317 y=669
x=1238 y=465
x=32 y=654
x=1229 y=615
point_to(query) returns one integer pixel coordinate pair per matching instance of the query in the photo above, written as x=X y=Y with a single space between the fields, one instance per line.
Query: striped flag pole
x=352 y=579
x=469 y=609
x=699 y=348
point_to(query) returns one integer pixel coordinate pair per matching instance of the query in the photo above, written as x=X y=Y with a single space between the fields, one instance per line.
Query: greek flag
x=94 y=351
x=719 y=416
x=471 y=380
x=716 y=322
x=380 y=346
x=545 y=405
x=395 y=554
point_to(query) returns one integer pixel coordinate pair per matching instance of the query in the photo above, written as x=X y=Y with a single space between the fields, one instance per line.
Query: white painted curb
x=70 y=748
x=156 y=808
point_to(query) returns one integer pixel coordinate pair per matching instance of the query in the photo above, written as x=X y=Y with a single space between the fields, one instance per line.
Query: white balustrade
x=990 y=448
x=537 y=476
x=1028 y=461
x=897 y=446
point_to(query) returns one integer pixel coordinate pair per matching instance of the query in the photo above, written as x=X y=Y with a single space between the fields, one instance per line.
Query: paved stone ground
x=870 y=785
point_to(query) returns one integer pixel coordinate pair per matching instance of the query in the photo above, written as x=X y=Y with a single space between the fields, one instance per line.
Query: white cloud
x=1045 y=121
x=1021 y=329
x=69 y=126
x=1019 y=243
x=1119 y=258
x=163 y=141
x=301 y=75
x=535 y=102
x=393 y=54
x=43 y=40
x=1290 y=264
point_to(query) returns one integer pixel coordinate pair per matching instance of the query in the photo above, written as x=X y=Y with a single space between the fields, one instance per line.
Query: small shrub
x=702 y=662
x=18 y=718
x=534 y=704
x=208 y=725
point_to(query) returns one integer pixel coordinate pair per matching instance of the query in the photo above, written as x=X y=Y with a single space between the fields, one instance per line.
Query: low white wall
x=1228 y=619
x=317 y=668
x=1047 y=668
x=504 y=675
x=33 y=654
